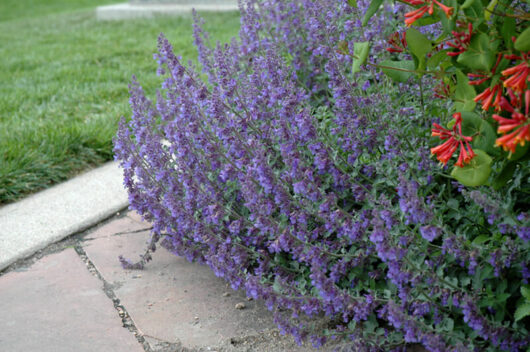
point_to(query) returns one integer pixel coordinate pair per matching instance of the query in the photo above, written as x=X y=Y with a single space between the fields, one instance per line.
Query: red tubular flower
x=519 y=74
x=518 y=125
x=442 y=90
x=473 y=78
x=461 y=40
x=454 y=140
x=448 y=10
x=486 y=97
x=398 y=42
x=518 y=77
x=412 y=16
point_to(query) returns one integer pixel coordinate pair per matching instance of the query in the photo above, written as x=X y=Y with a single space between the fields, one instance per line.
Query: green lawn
x=63 y=83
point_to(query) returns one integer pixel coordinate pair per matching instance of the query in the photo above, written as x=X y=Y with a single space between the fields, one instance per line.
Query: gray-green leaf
x=465 y=93
x=399 y=71
x=522 y=311
x=360 y=52
x=372 y=9
x=479 y=55
x=418 y=43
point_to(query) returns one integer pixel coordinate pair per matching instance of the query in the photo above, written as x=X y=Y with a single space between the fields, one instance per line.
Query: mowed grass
x=64 y=83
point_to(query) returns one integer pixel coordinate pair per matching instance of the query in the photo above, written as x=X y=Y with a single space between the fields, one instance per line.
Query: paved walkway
x=64 y=291
x=73 y=295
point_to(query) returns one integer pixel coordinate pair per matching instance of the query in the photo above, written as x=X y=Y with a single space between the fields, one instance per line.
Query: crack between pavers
x=117 y=234
x=132 y=231
x=108 y=288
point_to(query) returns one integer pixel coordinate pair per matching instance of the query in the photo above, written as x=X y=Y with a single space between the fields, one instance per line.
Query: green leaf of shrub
x=464 y=92
x=425 y=21
x=476 y=173
x=508 y=31
x=418 y=43
x=447 y=24
x=447 y=324
x=475 y=12
x=483 y=134
x=523 y=41
x=504 y=176
x=479 y=55
x=360 y=51
x=490 y=9
x=399 y=71
x=435 y=60
x=481 y=239
x=467 y=3
x=522 y=311
x=372 y=9
x=352 y=3
x=525 y=291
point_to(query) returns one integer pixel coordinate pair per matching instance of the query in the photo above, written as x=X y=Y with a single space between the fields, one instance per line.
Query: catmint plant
x=303 y=177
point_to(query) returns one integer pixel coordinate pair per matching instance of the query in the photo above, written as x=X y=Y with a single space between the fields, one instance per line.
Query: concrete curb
x=127 y=10
x=53 y=214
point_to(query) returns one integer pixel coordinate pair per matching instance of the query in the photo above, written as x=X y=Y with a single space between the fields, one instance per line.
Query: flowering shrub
x=481 y=45
x=303 y=177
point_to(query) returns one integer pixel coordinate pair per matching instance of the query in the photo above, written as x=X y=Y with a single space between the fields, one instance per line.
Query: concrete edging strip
x=53 y=214
x=136 y=10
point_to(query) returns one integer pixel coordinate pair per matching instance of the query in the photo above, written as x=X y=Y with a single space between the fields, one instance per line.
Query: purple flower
x=430 y=232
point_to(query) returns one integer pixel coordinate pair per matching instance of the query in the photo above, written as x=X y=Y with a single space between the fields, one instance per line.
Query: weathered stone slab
x=57 y=305
x=119 y=226
x=173 y=299
x=179 y=302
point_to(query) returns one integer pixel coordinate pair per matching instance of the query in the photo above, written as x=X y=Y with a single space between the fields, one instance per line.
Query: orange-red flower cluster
x=428 y=6
x=486 y=97
x=519 y=74
x=454 y=139
x=515 y=130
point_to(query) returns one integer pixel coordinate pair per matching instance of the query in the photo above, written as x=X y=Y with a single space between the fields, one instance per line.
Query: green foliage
x=419 y=46
x=399 y=71
x=480 y=55
x=372 y=9
x=476 y=173
x=523 y=40
x=464 y=93
x=481 y=130
x=360 y=52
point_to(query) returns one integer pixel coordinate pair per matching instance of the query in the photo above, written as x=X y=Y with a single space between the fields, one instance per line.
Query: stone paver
x=56 y=305
x=176 y=301
x=173 y=299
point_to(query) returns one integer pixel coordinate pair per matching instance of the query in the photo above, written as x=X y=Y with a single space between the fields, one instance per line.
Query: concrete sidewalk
x=75 y=296
x=62 y=287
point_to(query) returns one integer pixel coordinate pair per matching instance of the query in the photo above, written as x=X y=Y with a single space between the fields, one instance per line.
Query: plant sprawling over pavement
x=302 y=174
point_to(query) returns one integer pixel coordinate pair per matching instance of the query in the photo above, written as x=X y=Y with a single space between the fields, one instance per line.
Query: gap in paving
x=108 y=288
x=74 y=241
